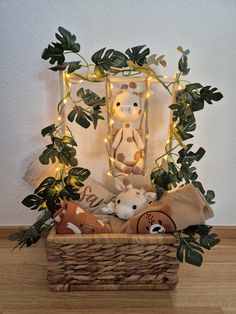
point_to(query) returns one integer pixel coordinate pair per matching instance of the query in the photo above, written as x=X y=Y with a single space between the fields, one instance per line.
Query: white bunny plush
x=129 y=201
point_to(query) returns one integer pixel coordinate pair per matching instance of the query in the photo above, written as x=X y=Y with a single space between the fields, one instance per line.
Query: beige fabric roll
x=93 y=196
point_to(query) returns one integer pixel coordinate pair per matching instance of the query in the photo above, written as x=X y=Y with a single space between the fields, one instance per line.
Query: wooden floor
x=210 y=289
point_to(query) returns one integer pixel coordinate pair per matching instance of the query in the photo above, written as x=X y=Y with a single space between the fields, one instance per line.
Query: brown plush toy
x=72 y=219
x=176 y=210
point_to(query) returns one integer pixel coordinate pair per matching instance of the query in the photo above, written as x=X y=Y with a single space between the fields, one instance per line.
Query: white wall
x=29 y=92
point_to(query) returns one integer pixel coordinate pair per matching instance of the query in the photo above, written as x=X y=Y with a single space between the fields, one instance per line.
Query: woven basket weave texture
x=111 y=262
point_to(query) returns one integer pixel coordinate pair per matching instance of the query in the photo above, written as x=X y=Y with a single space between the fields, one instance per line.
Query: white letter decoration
x=127 y=103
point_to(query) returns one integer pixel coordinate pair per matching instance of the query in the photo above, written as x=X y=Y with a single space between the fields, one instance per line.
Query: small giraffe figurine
x=127 y=145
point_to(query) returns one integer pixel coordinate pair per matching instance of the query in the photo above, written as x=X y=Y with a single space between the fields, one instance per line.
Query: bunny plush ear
x=123 y=185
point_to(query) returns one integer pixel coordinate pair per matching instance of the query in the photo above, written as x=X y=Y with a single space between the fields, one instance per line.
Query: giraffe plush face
x=127 y=107
x=129 y=201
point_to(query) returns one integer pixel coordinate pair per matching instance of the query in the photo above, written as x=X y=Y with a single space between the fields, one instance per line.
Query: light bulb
x=180 y=87
x=165 y=76
x=147 y=94
x=105 y=140
x=109 y=173
x=59 y=118
x=80 y=81
x=65 y=101
x=111 y=122
x=111 y=86
x=57 y=169
x=112 y=159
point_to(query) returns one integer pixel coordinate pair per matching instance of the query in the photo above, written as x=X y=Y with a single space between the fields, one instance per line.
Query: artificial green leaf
x=180 y=49
x=67 y=40
x=183 y=62
x=60 y=67
x=210 y=195
x=198 y=185
x=163 y=63
x=161 y=178
x=90 y=98
x=45 y=185
x=174 y=106
x=189 y=252
x=54 y=52
x=108 y=59
x=180 y=251
x=137 y=54
x=153 y=59
x=75 y=65
x=32 y=201
x=193 y=257
x=80 y=117
x=208 y=94
x=73 y=192
x=99 y=72
x=208 y=241
x=58 y=144
x=72 y=115
x=82 y=173
x=69 y=140
x=32 y=234
x=200 y=153
x=49 y=153
x=48 y=130
x=193 y=86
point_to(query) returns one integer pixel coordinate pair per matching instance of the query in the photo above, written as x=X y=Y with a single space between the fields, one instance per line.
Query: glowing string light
x=111 y=122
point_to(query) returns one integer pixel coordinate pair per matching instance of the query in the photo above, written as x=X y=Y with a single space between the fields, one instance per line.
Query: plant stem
x=167 y=153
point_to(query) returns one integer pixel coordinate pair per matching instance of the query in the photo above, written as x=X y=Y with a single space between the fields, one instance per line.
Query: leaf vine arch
x=175 y=167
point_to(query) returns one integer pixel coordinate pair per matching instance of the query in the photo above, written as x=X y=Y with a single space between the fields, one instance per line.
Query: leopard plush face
x=153 y=221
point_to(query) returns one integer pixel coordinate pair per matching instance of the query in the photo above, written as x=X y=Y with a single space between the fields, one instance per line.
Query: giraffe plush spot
x=127 y=125
x=137 y=156
x=121 y=157
x=132 y=85
x=129 y=139
x=137 y=170
x=140 y=111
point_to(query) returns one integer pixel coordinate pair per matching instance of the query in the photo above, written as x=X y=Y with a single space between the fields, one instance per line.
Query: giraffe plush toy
x=127 y=145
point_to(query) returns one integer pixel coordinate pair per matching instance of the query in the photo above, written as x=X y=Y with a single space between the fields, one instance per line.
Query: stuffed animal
x=129 y=201
x=176 y=210
x=70 y=218
x=127 y=145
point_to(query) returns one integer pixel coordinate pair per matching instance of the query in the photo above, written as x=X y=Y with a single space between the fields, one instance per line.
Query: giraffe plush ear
x=123 y=185
x=150 y=196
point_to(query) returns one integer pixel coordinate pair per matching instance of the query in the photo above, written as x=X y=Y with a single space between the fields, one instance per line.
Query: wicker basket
x=111 y=262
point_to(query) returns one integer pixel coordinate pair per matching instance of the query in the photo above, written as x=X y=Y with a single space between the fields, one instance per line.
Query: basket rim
x=110 y=238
